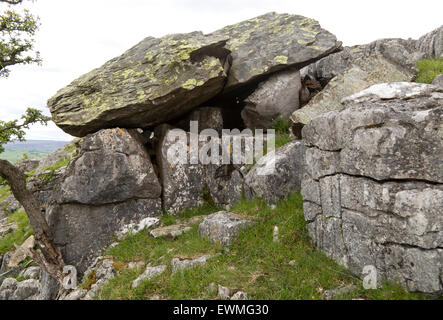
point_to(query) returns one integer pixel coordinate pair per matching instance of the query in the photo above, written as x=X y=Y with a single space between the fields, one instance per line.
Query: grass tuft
x=428 y=69
x=23 y=232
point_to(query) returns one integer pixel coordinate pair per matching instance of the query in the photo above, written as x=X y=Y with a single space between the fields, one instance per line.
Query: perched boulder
x=362 y=73
x=273 y=42
x=153 y=82
x=111 y=183
x=374 y=186
x=277 y=174
x=276 y=97
x=223 y=227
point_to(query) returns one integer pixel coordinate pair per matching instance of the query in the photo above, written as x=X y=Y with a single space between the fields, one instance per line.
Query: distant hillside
x=35 y=149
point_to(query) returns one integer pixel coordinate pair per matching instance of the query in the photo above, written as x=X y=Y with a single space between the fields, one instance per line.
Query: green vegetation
x=4 y=193
x=428 y=69
x=23 y=232
x=253 y=263
x=281 y=127
x=207 y=208
x=34 y=149
x=50 y=170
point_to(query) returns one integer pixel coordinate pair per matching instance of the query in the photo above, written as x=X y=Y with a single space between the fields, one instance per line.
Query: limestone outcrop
x=373 y=187
x=109 y=184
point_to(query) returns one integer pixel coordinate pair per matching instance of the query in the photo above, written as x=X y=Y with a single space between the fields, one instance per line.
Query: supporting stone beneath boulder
x=110 y=184
x=277 y=174
x=275 y=98
x=185 y=185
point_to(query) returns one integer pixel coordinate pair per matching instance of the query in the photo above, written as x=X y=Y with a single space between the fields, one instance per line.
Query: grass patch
x=428 y=69
x=253 y=263
x=5 y=192
x=23 y=232
x=59 y=164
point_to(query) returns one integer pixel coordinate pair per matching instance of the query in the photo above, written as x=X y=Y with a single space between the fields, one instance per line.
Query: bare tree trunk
x=50 y=258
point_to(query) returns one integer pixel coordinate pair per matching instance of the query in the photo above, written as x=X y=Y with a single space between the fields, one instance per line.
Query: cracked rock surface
x=373 y=192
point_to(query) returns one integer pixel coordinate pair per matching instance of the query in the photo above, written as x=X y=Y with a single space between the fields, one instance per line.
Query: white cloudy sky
x=79 y=35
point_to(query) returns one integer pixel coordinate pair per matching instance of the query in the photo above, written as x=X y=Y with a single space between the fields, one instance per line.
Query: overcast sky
x=79 y=35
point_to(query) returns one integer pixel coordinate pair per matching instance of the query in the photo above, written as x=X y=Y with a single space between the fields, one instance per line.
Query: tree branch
x=50 y=258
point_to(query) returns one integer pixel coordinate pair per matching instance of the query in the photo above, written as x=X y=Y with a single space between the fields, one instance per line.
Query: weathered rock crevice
x=361 y=214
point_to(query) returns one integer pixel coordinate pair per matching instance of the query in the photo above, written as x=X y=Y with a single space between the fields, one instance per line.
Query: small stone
x=134 y=228
x=292 y=263
x=275 y=236
x=113 y=245
x=136 y=265
x=213 y=288
x=224 y=293
x=7 y=228
x=240 y=296
x=76 y=295
x=182 y=264
x=26 y=290
x=149 y=273
x=330 y=294
x=223 y=227
x=31 y=273
x=106 y=270
x=194 y=220
x=170 y=231
x=9 y=284
x=21 y=252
